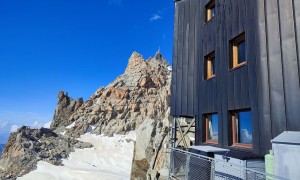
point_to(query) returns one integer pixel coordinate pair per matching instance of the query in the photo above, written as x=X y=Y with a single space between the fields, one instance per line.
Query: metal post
x=187 y=166
x=171 y=165
x=173 y=146
x=174 y=133
x=213 y=170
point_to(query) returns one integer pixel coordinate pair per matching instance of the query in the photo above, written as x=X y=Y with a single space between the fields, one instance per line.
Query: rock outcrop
x=27 y=146
x=66 y=106
x=141 y=92
x=137 y=100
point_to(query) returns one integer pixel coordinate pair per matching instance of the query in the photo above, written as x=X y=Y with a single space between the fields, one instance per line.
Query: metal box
x=286 y=148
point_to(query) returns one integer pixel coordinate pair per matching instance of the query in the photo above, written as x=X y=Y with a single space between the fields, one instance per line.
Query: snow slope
x=110 y=158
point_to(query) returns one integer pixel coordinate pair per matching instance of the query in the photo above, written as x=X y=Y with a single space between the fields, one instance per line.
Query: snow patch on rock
x=71 y=126
x=109 y=158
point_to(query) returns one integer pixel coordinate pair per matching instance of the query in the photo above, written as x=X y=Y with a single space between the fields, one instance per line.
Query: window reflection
x=212 y=9
x=241 y=51
x=213 y=127
x=242 y=128
x=212 y=122
x=245 y=127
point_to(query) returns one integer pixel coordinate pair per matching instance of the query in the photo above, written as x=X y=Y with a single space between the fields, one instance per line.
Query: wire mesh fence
x=189 y=166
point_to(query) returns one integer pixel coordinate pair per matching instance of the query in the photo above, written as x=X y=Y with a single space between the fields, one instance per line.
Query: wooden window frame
x=234 y=59
x=208 y=66
x=234 y=127
x=208 y=7
x=207 y=140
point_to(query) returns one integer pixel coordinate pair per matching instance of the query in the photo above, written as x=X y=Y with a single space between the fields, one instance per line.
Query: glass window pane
x=212 y=10
x=241 y=51
x=212 y=66
x=206 y=67
x=213 y=127
x=245 y=127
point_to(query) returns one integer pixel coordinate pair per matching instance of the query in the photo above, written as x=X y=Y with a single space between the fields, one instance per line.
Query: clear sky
x=71 y=45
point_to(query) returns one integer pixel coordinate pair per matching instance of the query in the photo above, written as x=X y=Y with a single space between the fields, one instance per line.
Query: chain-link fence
x=189 y=166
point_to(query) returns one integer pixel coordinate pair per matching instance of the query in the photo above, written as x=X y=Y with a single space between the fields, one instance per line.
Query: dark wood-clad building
x=236 y=70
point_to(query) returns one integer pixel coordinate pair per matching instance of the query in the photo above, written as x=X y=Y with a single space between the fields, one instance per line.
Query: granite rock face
x=66 y=106
x=28 y=146
x=141 y=92
x=137 y=100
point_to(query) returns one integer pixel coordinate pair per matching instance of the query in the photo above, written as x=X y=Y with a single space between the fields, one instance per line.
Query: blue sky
x=245 y=125
x=75 y=46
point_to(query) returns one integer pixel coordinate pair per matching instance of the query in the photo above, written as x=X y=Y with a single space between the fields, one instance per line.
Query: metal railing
x=190 y=166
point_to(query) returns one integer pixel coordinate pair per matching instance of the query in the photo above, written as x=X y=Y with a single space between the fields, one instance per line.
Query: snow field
x=109 y=159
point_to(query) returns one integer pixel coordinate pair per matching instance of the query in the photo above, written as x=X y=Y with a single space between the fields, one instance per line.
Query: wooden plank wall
x=263 y=88
x=270 y=82
x=238 y=87
x=278 y=67
x=184 y=80
x=193 y=40
x=174 y=94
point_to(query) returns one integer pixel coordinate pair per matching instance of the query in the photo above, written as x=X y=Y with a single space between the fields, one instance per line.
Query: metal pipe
x=174 y=132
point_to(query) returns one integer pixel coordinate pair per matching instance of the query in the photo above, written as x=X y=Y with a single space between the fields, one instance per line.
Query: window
x=242 y=128
x=238 y=51
x=211 y=128
x=209 y=65
x=210 y=10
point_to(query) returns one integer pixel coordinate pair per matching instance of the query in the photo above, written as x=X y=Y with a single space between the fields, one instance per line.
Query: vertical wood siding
x=290 y=63
x=270 y=82
x=278 y=68
x=263 y=77
x=174 y=94
x=184 y=81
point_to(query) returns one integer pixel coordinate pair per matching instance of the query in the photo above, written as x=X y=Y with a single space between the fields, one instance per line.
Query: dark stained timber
x=276 y=73
x=180 y=61
x=290 y=64
x=191 y=54
x=197 y=51
x=185 y=58
x=174 y=64
x=262 y=70
x=237 y=88
x=268 y=83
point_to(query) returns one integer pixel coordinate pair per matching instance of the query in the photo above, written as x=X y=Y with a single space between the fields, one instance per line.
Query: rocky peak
x=160 y=58
x=137 y=100
x=158 y=61
x=135 y=63
x=141 y=92
x=66 y=106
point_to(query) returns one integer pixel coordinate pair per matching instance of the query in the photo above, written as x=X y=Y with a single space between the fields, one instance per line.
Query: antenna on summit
x=158 y=50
